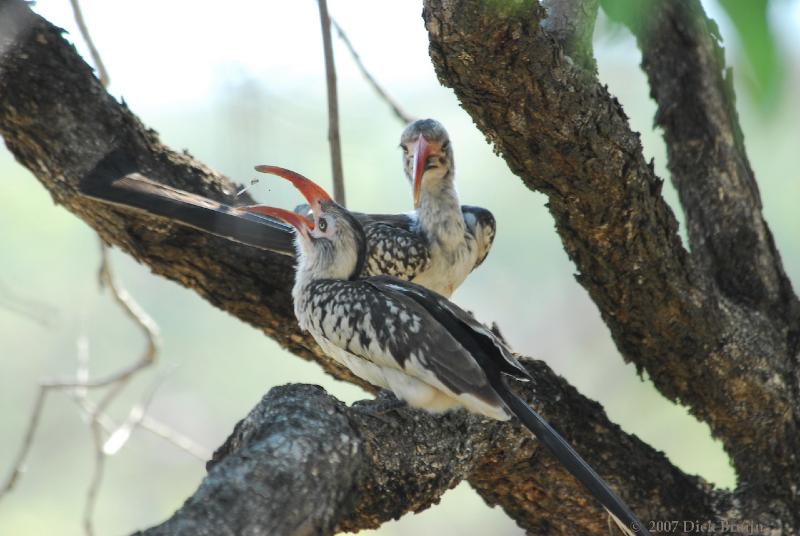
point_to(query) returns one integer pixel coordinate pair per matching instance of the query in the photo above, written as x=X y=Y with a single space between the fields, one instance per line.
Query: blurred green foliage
x=763 y=66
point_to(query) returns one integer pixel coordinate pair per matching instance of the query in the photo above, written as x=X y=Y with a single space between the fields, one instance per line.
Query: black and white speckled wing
x=490 y=352
x=396 y=248
x=481 y=223
x=497 y=363
x=404 y=326
x=394 y=251
x=116 y=179
x=393 y=331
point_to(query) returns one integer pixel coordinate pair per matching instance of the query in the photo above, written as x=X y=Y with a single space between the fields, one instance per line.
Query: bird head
x=332 y=245
x=427 y=157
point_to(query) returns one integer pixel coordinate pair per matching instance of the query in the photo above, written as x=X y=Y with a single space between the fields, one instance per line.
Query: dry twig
x=404 y=117
x=108 y=437
x=102 y=73
x=333 y=106
x=102 y=425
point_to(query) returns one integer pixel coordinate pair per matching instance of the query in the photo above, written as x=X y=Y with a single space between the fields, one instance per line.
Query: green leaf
x=764 y=72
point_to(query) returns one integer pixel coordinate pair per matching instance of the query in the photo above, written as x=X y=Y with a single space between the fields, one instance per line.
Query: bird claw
x=382 y=406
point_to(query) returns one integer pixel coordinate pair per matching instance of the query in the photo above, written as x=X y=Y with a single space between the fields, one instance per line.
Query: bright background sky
x=245 y=85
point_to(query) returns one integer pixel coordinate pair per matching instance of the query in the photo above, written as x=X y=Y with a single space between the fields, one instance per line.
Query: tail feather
x=573 y=462
x=115 y=179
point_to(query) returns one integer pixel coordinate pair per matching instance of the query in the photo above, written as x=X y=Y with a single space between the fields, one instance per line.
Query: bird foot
x=387 y=405
x=382 y=406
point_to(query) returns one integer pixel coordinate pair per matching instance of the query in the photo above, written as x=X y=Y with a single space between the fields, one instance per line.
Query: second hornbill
x=440 y=242
x=436 y=245
x=401 y=336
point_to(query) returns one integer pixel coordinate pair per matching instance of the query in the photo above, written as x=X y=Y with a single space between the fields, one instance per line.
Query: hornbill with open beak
x=401 y=336
x=437 y=245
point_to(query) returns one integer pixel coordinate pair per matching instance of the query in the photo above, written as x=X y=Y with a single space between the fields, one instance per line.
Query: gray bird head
x=427 y=157
x=332 y=245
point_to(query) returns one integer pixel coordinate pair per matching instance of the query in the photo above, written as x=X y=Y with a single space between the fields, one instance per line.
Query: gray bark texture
x=716 y=328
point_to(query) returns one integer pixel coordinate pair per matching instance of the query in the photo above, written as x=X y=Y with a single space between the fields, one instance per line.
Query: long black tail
x=572 y=461
x=116 y=179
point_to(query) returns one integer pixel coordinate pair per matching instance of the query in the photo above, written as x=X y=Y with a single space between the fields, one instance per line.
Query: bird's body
x=453 y=239
x=453 y=247
x=404 y=337
x=368 y=325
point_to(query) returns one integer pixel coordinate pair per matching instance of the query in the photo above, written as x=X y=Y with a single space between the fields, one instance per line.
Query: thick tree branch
x=685 y=65
x=303 y=463
x=568 y=138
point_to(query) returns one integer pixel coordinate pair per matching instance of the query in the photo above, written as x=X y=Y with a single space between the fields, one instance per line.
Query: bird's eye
x=322 y=224
x=404 y=148
x=445 y=145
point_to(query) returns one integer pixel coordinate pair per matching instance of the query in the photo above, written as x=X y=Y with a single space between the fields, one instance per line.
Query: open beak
x=301 y=223
x=313 y=193
x=421 y=152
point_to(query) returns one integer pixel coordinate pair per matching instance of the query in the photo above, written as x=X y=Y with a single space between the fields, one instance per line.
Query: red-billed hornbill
x=458 y=237
x=401 y=336
x=437 y=245
x=443 y=240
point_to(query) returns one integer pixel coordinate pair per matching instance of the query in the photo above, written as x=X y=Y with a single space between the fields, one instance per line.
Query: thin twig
x=120 y=436
x=104 y=448
x=97 y=477
x=134 y=311
x=96 y=59
x=137 y=415
x=27 y=441
x=119 y=380
x=393 y=104
x=181 y=441
x=99 y=422
x=81 y=383
x=145 y=422
x=333 y=106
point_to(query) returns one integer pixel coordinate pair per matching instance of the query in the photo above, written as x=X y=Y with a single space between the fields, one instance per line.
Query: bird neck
x=439 y=212
x=323 y=262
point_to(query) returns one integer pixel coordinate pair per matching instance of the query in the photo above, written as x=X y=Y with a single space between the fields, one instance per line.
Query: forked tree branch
x=568 y=138
x=730 y=240
x=685 y=64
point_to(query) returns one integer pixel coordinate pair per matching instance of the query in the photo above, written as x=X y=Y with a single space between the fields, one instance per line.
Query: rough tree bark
x=716 y=331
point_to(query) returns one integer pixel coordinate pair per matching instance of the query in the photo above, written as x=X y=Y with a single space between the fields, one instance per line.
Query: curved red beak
x=301 y=223
x=422 y=151
x=313 y=193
